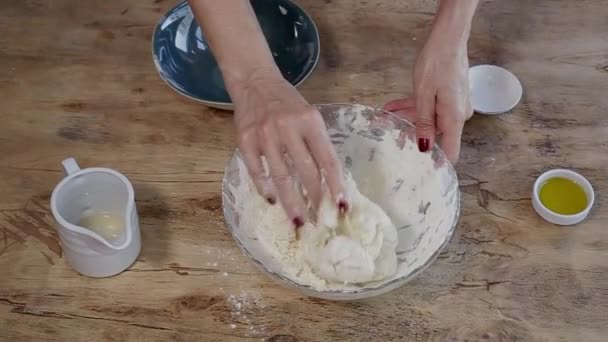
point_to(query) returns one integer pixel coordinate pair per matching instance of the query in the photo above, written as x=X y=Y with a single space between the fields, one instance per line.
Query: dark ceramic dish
x=184 y=61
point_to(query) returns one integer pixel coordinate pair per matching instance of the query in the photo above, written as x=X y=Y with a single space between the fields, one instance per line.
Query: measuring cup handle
x=70 y=166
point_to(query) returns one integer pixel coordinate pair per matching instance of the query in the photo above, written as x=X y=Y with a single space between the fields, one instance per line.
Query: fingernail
x=423 y=144
x=271 y=200
x=342 y=207
x=297 y=222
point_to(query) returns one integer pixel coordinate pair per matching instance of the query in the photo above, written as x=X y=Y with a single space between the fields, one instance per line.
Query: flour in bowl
x=404 y=205
x=354 y=248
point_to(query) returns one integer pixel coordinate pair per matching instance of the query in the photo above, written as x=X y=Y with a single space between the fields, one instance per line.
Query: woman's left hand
x=441 y=102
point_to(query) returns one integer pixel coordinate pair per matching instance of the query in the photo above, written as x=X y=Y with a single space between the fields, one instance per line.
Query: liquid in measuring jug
x=107 y=224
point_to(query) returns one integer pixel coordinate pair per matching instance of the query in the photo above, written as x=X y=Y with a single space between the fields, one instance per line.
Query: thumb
x=405 y=108
x=425 y=120
x=399 y=104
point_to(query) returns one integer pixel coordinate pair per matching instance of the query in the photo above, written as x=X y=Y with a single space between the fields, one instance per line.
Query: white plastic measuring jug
x=104 y=200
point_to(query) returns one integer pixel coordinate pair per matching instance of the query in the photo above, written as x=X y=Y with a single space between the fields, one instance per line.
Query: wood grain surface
x=77 y=79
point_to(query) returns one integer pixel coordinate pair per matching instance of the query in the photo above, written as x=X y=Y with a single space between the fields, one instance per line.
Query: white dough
x=357 y=248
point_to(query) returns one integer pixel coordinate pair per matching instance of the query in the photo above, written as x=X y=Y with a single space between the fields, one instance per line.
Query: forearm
x=453 y=19
x=235 y=37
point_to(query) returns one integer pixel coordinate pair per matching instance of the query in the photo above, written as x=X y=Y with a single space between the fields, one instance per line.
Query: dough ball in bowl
x=417 y=191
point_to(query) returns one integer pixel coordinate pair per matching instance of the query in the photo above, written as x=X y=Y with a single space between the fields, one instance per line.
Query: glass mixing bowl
x=356 y=131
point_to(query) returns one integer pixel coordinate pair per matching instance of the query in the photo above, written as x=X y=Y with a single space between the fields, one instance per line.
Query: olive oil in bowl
x=563 y=196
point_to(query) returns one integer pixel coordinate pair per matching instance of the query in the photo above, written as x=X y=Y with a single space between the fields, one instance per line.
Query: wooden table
x=77 y=79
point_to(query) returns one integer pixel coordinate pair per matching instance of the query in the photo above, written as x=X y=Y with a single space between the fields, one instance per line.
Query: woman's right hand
x=274 y=121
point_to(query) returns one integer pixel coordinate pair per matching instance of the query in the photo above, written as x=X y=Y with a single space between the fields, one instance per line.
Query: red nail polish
x=271 y=200
x=342 y=207
x=298 y=222
x=423 y=144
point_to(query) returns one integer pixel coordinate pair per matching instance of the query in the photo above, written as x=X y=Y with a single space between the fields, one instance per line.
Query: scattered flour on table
x=244 y=309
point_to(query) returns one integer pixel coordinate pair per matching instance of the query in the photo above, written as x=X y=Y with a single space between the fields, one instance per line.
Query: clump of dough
x=356 y=248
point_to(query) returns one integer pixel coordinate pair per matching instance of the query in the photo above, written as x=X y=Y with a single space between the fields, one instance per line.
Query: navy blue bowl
x=184 y=61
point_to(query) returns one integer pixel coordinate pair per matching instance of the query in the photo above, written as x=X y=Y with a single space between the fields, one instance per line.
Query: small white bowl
x=555 y=218
x=494 y=90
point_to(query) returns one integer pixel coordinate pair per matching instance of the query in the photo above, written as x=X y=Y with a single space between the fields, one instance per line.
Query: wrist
x=239 y=79
x=453 y=21
x=238 y=83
